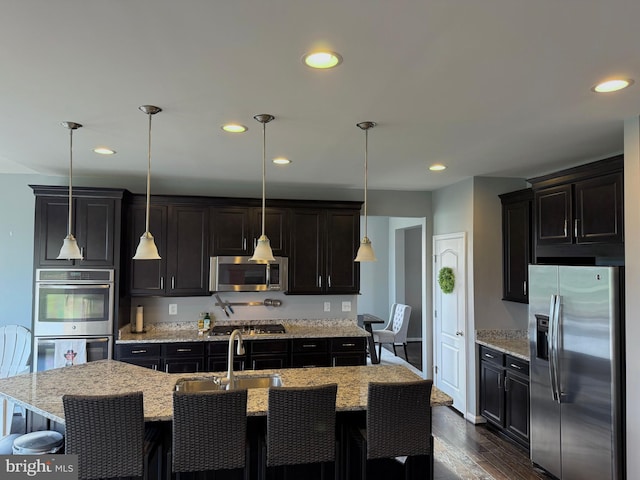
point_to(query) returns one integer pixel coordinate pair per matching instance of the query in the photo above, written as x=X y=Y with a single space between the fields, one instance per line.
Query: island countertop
x=42 y=392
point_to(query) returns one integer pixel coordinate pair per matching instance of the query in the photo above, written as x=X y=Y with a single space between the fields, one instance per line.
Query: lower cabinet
x=504 y=393
x=191 y=357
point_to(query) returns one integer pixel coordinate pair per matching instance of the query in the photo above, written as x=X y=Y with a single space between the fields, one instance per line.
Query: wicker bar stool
x=301 y=432
x=210 y=433
x=108 y=434
x=397 y=434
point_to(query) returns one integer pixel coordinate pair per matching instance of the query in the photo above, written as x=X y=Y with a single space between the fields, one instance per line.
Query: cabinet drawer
x=311 y=345
x=491 y=355
x=218 y=348
x=348 y=344
x=137 y=350
x=270 y=346
x=183 y=349
x=517 y=365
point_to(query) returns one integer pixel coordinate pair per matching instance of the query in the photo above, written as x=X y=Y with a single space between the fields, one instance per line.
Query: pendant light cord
x=70 y=180
x=366 y=168
x=148 y=179
x=264 y=171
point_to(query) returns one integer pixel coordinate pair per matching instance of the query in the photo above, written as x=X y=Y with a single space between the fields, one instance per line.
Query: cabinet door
x=554 y=215
x=188 y=255
x=492 y=393
x=276 y=228
x=342 y=239
x=599 y=212
x=147 y=277
x=516 y=250
x=52 y=215
x=230 y=231
x=96 y=230
x=517 y=406
x=306 y=262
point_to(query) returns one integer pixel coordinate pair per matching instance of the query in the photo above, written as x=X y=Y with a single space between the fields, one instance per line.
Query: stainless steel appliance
x=575 y=327
x=238 y=274
x=73 y=302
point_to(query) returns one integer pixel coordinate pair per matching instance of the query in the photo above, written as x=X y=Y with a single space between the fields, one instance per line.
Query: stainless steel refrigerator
x=575 y=330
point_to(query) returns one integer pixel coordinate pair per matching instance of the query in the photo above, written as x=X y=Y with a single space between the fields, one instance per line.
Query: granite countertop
x=513 y=342
x=42 y=392
x=188 y=332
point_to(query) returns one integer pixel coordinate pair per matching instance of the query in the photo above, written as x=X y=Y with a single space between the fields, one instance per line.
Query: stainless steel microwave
x=238 y=274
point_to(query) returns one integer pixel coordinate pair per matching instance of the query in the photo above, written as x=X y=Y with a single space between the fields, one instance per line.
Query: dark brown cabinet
x=267 y=354
x=181 y=233
x=142 y=354
x=310 y=352
x=183 y=357
x=348 y=351
x=504 y=393
x=517 y=251
x=324 y=243
x=579 y=211
x=96 y=217
x=235 y=230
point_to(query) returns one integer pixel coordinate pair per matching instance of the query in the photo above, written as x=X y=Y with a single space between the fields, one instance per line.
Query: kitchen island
x=42 y=392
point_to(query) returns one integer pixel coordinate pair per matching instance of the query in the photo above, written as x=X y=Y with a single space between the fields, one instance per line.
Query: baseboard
x=475 y=419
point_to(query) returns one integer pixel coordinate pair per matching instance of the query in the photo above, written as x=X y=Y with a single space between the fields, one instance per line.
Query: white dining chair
x=15 y=352
x=395 y=331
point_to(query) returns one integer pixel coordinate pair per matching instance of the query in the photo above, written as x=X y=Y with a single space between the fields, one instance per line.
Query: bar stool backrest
x=107 y=434
x=399 y=419
x=301 y=425
x=209 y=430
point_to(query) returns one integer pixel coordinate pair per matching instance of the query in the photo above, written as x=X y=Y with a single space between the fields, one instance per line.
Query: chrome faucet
x=240 y=351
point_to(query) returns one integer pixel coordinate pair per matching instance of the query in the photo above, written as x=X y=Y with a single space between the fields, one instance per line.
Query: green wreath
x=446 y=279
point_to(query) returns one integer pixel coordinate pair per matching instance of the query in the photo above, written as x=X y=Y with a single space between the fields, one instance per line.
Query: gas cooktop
x=271 y=328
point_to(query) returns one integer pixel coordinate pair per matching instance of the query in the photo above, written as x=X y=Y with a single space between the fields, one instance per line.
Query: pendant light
x=147 y=249
x=365 y=252
x=70 y=250
x=263 y=252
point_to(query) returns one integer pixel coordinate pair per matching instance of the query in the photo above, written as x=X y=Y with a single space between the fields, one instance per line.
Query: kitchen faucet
x=240 y=351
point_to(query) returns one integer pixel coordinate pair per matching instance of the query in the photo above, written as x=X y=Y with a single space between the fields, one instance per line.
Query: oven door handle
x=67 y=286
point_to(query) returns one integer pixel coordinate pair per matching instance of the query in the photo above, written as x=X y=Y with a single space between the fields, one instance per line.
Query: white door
x=449 y=319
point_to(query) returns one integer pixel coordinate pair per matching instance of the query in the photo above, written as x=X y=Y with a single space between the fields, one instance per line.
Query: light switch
x=327 y=306
x=346 y=306
x=173 y=309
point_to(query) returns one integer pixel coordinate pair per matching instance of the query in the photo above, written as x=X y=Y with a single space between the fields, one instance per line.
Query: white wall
x=632 y=282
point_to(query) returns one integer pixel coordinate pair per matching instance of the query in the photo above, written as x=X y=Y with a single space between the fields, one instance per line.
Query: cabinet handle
x=82 y=252
x=524 y=285
x=154 y=367
x=499 y=381
x=166 y=368
x=320 y=281
x=329 y=281
x=565 y=228
x=575 y=228
x=173 y=282
x=309 y=345
x=133 y=352
x=183 y=350
x=161 y=283
x=348 y=344
x=513 y=365
x=488 y=355
x=244 y=243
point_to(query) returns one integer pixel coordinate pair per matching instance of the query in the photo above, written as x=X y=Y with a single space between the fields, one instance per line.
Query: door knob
x=459 y=333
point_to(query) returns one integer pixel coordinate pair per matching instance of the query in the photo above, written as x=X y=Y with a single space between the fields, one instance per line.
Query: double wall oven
x=72 y=305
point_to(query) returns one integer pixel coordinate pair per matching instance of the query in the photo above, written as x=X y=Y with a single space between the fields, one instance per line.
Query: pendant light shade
x=263 y=252
x=147 y=249
x=70 y=250
x=365 y=252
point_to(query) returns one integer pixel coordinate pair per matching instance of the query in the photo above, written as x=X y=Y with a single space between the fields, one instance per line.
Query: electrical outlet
x=346 y=306
x=327 y=306
x=173 y=309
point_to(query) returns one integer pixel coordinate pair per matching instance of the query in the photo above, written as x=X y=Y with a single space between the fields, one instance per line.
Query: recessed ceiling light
x=281 y=161
x=234 y=128
x=437 y=167
x=322 y=60
x=104 y=151
x=612 y=85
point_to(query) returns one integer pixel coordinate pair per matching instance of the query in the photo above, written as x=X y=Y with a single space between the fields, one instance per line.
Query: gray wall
x=413 y=285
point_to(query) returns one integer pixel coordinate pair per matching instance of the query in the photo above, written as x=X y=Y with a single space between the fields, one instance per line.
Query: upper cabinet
x=235 y=230
x=516 y=244
x=95 y=224
x=181 y=233
x=324 y=242
x=579 y=211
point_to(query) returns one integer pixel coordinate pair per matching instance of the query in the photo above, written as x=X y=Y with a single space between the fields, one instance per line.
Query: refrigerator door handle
x=556 y=347
x=551 y=339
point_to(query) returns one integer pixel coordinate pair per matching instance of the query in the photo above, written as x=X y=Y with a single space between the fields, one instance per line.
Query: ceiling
x=489 y=88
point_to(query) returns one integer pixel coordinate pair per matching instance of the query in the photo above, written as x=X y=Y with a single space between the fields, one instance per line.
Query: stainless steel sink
x=203 y=384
